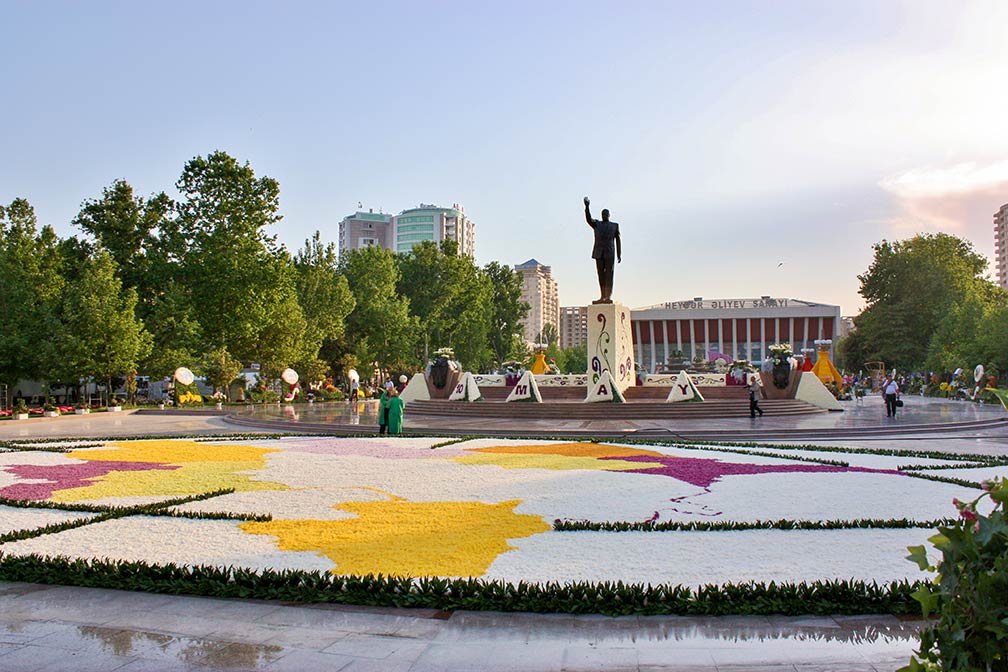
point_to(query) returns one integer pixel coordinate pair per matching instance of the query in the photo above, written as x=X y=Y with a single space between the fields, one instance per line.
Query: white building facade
x=740 y=328
x=401 y=232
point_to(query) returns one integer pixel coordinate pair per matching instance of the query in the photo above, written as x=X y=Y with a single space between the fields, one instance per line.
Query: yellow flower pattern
x=402 y=538
x=201 y=467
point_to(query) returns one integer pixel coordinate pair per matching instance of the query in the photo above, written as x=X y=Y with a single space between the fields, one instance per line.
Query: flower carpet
x=497 y=509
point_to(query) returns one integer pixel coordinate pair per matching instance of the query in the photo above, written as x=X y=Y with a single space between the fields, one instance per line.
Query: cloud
x=960 y=198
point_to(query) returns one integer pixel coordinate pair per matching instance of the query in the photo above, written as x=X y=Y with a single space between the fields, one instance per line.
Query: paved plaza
x=46 y=627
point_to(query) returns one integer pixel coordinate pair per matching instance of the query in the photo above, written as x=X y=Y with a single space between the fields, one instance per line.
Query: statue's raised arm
x=588 y=217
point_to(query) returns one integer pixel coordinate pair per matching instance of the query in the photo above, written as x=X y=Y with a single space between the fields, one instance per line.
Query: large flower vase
x=781 y=373
x=442 y=375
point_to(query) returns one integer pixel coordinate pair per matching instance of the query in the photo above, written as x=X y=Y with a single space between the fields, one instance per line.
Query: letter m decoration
x=521 y=389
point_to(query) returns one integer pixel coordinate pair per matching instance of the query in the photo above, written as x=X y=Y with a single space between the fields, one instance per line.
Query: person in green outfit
x=383 y=408
x=395 y=412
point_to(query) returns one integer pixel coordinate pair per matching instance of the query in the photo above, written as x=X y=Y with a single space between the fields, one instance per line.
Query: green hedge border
x=562 y=525
x=608 y=598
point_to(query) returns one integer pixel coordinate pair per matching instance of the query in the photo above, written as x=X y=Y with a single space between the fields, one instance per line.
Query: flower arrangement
x=780 y=350
x=740 y=368
x=50 y=404
x=444 y=352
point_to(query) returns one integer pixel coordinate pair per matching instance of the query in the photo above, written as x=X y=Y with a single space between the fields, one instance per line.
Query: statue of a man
x=604 y=252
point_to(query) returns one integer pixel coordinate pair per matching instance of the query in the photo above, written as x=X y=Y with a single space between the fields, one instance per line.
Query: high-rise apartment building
x=1001 y=244
x=401 y=232
x=539 y=291
x=365 y=229
x=573 y=326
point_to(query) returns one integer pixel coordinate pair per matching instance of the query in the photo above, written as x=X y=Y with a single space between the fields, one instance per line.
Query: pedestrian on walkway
x=383 y=408
x=754 y=395
x=395 y=412
x=890 y=390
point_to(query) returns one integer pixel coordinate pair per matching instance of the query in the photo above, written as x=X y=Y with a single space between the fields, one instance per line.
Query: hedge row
x=608 y=598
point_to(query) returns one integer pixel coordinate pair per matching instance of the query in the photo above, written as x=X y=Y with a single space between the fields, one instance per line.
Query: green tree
x=910 y=288
x=450 y=296
x=507 y=310
x=101 y=337
x=171 y=320
x=325 y=300
x=549 y=335
x=220 y=368
x=380 y=329
x=31 y=281
x=239 y=279
x=959 y=339
x=279 y=337
x=126 y=225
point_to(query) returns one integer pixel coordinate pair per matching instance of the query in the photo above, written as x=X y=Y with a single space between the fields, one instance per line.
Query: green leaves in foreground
x=609 y=598
x=969 y=590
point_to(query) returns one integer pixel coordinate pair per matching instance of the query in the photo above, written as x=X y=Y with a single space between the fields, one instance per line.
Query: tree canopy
x=154 y=283
x=927 y=301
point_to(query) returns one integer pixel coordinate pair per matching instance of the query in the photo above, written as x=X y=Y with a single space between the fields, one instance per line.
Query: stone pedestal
x=610 y=344
x=770 y=391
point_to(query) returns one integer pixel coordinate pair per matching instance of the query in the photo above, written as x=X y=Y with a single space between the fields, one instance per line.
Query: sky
x=745 y=148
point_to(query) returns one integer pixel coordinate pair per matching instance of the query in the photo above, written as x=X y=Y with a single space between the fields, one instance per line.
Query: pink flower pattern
x=65 y=476
x=703 y=472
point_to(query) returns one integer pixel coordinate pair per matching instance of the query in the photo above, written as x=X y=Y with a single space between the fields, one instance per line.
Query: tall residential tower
x=1001 y=244
x=539 y=291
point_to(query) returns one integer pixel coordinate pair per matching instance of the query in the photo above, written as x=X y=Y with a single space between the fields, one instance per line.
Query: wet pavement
x=920 y=415
x=69 y=628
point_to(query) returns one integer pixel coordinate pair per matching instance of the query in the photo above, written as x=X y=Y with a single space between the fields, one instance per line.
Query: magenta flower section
x=65 y=476
x=703 y=472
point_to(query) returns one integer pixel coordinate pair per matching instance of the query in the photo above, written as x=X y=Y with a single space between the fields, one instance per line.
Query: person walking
x=890 y=390
x=395 y=412
x=354 y=390
x=754 y=395
x=383 y=408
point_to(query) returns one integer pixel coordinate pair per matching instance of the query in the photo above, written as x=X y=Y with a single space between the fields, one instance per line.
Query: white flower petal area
x=824 y=496
x=14 y=518
x=592 y=494
x=37 y=457
x=162 y=540
x=977 y=474
x=388 y=447
x=699 y=558
x=867 y=460
x=300 y=504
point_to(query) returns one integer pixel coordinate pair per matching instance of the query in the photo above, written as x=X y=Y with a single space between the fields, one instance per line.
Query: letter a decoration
x=605 y=389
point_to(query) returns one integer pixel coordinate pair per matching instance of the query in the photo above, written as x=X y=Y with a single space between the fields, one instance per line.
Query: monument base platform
x=577 y=410
x=610 y=344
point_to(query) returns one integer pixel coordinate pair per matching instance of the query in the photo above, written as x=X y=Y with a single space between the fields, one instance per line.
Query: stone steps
x=718 y=408
x=636 y=393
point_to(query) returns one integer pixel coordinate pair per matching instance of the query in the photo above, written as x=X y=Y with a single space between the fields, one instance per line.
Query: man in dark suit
x=604 y=252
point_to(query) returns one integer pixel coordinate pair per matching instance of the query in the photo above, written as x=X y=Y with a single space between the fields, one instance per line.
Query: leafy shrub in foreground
x=972 y=598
